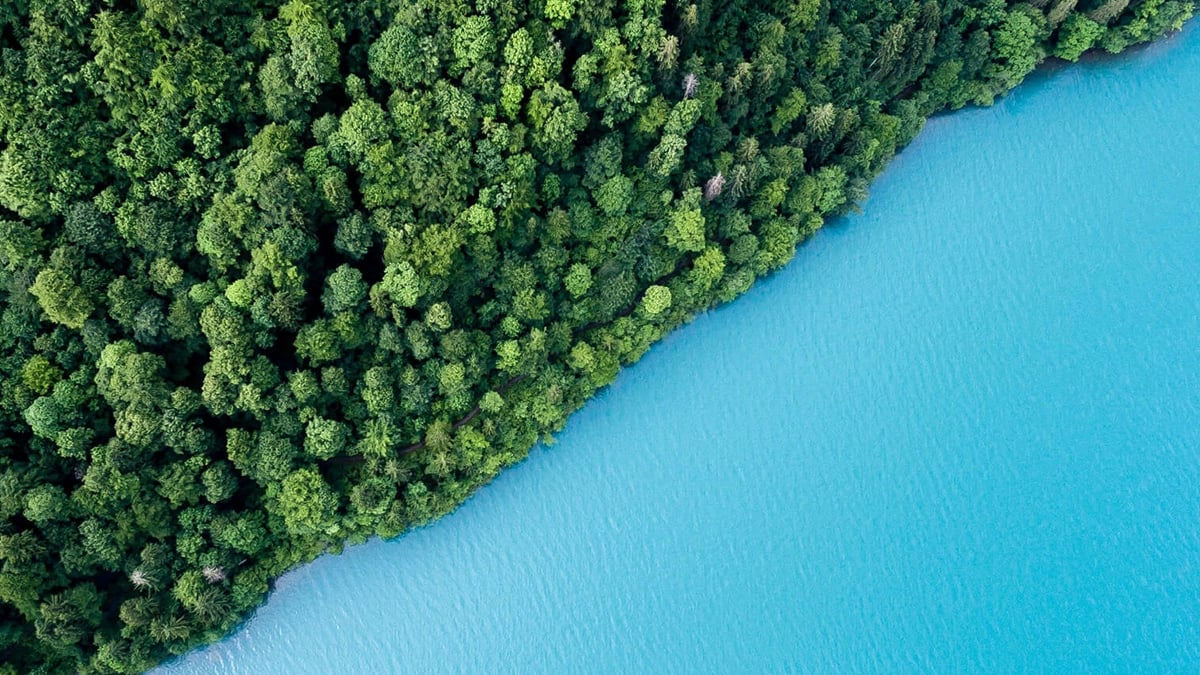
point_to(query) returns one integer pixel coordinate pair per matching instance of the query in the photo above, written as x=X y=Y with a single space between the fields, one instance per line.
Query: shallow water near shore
x=958 y=433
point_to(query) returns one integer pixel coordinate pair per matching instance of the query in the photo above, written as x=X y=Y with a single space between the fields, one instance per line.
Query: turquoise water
x=960 y=433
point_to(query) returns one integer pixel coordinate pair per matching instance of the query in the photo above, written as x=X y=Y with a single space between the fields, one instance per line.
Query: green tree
x=307 y=504
x=1077 y=35
x=401 y=58
x=656 y=300
x=578 y=279
x=559 y=12
x=685 y=228
x=344 y=290
x=323 y=438
x=314 y=53
x=61 y=298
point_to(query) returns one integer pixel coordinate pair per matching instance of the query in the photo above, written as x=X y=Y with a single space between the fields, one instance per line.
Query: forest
x=281 y=276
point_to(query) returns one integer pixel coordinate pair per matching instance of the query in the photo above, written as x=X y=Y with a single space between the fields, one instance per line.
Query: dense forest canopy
x=281 y=275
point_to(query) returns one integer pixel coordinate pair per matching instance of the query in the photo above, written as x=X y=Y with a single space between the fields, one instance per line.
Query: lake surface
x=959 y=433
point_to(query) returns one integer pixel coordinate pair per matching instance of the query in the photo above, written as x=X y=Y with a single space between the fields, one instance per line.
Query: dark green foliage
x=280 y=275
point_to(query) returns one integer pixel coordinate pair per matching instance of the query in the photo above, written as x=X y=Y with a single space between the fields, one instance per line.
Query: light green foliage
x=578 y=280
x=277 y=82
x=473 y=41
x=324 y=438
x=708 y=267
x=439 y=316
x=61 y=298
x=685 y=228
x=558 y=12
x=1077 y=35
x=314 y=54
x=789 y=110
x=362 y=126
x=683 y=117
x=614 y=196
x=450 y=378
x=39 y=374
x=240 y=293
x=1017 y=46
x=508 y=356
x=665 y=158
x=401 y=284
x=518 y=51
x=307 y=503
x=491 y=402
x=831 y=182
x=557 y=120
x=582 y=357
x=656 y=300
x=401 y=58
x=821 y=119
x=479 y=219
x=45 y=503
